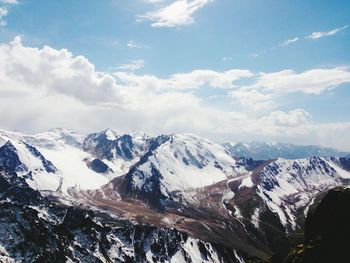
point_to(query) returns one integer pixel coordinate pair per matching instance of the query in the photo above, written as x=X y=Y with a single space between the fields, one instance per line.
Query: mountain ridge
x=260 y=150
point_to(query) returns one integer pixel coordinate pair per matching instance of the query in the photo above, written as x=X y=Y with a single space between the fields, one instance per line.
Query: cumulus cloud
x=51 y=71
x=41 y=88
x=178 y=13
x=317 y=35
x=294 y=118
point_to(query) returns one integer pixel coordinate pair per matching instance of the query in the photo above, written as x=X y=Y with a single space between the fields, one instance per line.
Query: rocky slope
x=34 y=229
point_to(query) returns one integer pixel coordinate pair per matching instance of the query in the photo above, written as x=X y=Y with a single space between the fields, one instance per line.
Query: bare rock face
x=98 y=166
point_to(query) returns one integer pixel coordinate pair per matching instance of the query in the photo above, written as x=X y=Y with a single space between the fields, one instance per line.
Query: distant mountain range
x=114 y=197
x=273 y=150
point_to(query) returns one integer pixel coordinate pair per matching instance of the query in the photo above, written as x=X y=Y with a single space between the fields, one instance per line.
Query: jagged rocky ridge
x=177 y=181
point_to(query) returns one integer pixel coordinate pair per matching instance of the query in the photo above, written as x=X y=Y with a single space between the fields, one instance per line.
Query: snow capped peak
x=111 y=135
x=179 y=163
x=28 y=162
x=271 y=143
x=246 y=145
x=9 y=145
x=139 y=135
x=107 y=134
x=230 y=143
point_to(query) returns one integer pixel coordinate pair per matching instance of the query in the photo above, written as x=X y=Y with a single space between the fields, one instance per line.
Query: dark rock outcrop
x=327 y=231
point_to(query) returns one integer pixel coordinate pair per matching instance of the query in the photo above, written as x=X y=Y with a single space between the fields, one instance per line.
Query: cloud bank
x=41 y=88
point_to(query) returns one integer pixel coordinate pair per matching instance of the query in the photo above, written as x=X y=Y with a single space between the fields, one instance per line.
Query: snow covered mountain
x=29 y=163
x=287 y=188
x=176 y=164
x=64 y=150
x=172 y=181
x=184 y=161
x=273 y=150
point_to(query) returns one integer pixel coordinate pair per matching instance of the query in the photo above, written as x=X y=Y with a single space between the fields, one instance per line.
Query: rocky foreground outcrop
x=327 y=231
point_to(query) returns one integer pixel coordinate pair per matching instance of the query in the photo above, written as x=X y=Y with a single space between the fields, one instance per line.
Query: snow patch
x=255 y=218
x=246 y=182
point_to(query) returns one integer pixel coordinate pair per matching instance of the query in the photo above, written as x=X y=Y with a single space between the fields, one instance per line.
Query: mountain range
x=272 y=150
x=111 y=197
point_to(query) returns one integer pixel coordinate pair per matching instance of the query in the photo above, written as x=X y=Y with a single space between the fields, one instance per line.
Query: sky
x=238 y=70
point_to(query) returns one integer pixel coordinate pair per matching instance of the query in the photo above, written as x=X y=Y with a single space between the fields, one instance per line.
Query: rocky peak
x=9 y=158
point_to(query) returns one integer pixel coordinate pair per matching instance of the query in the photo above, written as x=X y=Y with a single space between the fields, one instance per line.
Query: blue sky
x=290 y=62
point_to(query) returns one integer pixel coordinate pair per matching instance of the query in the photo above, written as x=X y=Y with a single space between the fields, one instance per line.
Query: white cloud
x=178 y=13
x=9 y=1
x=3 y=13
x=214 y=79
x=317 y=35
x=48 y=70
x=313 y=81
x=133 y=65
x=185 y=81
x=41 y=88
x=294 y=118
x=290 y=41
x=132 y=44
x=154 y=1
x=254 y=100
x=4 y=10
